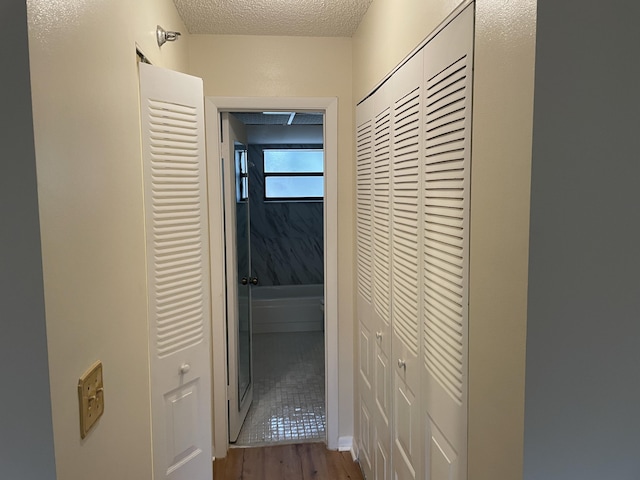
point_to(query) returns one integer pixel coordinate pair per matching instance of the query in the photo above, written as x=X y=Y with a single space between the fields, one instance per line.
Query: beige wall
x=236 y=65
x=501 y=156
x=390 y=30
x=86 y=120
x=500 y=185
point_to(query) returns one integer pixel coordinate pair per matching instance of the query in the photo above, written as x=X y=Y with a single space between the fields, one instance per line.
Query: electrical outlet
x=90 y=397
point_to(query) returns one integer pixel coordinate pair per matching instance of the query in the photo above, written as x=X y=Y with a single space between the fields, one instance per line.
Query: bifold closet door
x=448 y=67
x=178 y=273
x=413 y=139
x=373 y=210
x=364 y=272
x=382 y=288
x=406 y=88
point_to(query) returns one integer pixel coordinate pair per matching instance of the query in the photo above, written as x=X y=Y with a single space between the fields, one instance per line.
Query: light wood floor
x=304 y=461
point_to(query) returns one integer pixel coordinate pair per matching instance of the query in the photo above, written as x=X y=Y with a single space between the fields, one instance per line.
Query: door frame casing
x=213 y=107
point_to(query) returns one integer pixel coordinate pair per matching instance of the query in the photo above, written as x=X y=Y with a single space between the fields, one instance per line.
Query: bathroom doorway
x=290 y=352
x=278 y=195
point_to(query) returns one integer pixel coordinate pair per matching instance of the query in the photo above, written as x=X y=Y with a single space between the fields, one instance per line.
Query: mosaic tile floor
x=288 y=393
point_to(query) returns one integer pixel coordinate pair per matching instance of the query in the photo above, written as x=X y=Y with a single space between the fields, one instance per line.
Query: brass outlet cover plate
x=90 y=397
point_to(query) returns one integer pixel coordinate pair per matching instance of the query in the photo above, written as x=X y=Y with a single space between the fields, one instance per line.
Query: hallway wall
x=87 y=141
x=26 y=433
x=501 y=149
x=389 y=31
x=238 y=65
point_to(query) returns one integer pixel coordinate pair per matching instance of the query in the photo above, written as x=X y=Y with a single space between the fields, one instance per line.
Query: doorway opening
x=278 y=200
x=305 y=349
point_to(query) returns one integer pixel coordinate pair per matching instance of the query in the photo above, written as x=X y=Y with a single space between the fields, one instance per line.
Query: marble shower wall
x=286 y=237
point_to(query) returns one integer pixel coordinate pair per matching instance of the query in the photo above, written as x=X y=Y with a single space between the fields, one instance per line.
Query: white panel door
x=406 y=247
x=448 y=67
x=175 y=199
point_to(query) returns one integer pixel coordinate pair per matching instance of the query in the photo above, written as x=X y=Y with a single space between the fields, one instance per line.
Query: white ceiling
x=313 y=18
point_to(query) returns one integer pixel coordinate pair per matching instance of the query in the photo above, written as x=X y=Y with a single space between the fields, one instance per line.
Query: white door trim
x=213 y=107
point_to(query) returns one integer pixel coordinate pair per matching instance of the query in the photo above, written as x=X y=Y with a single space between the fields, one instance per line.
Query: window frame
x=242 y=173
x=266 y=174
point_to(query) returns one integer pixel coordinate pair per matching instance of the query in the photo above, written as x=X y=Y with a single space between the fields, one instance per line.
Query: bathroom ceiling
x=312 y=18
x=279 y=118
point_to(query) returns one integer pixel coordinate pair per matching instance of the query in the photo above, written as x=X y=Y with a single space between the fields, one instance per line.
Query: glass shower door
x=238 y=272
x=243 y=249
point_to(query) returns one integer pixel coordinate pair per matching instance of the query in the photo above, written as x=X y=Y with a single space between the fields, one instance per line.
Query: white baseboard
x=354 y=451
x=345 y=444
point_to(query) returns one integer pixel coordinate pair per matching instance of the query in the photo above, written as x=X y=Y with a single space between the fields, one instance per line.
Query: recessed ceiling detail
x=312 y=18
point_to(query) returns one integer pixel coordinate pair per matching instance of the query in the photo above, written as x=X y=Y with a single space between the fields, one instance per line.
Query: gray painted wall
x=582 y=418
x=26 y=434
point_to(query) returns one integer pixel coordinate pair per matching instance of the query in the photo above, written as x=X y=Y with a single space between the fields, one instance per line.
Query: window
x=242 y=173
x=293 y=174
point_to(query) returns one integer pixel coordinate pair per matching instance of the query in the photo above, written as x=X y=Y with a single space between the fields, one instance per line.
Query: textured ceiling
x=313 y=18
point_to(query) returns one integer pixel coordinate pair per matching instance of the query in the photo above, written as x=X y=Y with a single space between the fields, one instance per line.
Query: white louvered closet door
x=364 y=252
x=447 y=138
x=382 y=172
x=406 y=87
x=175 y=197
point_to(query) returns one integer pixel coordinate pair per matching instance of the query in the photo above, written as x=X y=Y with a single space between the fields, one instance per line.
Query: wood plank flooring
x=305 y=461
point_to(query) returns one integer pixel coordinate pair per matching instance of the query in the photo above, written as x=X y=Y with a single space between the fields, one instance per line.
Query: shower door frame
x=329 y=106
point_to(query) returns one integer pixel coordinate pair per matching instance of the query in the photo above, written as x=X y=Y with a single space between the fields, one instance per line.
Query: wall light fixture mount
x=163 y=36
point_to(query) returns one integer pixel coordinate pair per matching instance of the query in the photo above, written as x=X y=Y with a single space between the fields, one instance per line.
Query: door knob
x=185 y=368
x=402 y=364
x=254 y=280
x=244 y=280
x=378 y=335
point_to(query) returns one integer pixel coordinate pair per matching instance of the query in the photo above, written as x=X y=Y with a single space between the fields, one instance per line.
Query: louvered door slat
x=443 y=275
x=447 y=173
x=448 y=70
x=444 y=186
x=381 y=208
x=455 y=232
x=364 y=143
x=406 y=190
x=446 y=222
x=447 y=354
x=177 y=215
x=444 y=217
x=406 y=260
x=447 y=316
